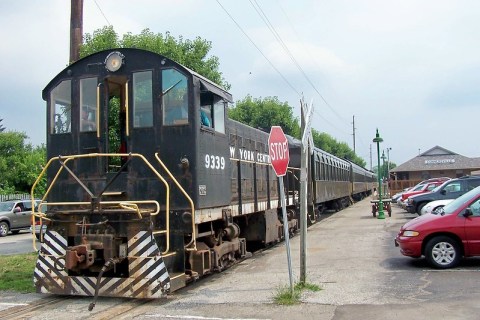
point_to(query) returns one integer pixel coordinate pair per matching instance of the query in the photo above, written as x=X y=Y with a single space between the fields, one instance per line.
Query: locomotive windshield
x=61 y=104
x=174 y=97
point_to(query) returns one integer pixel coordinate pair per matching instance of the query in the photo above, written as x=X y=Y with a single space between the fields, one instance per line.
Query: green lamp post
x=383 y=166
x=381 y=214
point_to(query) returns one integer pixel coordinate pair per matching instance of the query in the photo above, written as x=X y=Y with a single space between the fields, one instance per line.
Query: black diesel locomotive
x=150 y=185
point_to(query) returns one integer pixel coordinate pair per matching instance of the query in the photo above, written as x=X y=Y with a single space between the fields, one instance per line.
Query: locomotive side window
x=219 y=116
x=142 y=99
x=174 y=97
x=88 y=103
x=61 y=108
x=212 y=111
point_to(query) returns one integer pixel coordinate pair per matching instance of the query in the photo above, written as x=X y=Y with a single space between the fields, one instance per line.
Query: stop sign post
x=279 y=159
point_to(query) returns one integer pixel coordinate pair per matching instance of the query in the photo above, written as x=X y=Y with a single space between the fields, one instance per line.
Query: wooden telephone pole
x=76 y=29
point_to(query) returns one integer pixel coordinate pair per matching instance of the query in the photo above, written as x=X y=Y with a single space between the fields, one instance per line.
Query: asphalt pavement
x=17 y=243
x=351 y=256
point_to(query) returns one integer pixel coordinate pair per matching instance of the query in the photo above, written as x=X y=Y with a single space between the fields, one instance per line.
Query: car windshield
x=438 y=187
x=419 y=187
x=6 y=206
x=460 y=201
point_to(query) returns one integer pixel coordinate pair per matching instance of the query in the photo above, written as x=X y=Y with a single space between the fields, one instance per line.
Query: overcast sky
x=410 y=68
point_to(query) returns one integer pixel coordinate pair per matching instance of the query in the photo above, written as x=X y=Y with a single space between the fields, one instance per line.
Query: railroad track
x=53 y=306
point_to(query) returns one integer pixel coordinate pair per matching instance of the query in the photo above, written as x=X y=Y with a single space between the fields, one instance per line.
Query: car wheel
x=420 y=207
x=3 y=229
x=434 y=211
x=442 y=252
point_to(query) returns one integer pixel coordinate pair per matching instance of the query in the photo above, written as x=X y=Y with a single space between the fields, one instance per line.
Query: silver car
x=15 y=215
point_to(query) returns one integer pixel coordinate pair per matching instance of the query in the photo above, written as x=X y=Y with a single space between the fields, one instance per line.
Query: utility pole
x=354 y=134
x=76 y=29
x=371 y=165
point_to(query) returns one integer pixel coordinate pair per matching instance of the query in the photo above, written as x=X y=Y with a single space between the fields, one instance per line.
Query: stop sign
x=278 y=150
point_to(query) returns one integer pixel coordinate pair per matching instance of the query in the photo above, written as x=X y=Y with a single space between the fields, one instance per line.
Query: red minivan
x=446 y=237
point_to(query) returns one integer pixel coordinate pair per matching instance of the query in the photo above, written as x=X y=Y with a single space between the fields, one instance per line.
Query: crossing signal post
x=307 y=115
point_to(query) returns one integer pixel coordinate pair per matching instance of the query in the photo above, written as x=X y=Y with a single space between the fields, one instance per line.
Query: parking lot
x=351 y=256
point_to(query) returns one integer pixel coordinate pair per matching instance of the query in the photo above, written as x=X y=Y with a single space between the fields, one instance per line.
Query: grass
x=285 y=296
x=16 y=272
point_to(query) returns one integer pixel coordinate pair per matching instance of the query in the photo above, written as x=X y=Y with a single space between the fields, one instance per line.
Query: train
x=150 y=185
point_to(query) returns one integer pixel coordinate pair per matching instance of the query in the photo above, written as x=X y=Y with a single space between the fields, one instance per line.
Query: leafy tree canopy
x=384 y=168
x=327 y=143
x=20 y=163
x=263 y=113
x=190 y=53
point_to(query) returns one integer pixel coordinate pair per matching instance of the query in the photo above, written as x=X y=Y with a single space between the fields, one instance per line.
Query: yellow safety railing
x=192 y=206
x=127 y=205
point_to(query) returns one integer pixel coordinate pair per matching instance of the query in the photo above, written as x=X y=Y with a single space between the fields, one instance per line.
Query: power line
x=277 y=36
x=246 y=35
x=311 y=58
x=102 y=12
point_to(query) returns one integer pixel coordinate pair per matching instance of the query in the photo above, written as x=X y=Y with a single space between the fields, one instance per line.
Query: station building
x=434 y=163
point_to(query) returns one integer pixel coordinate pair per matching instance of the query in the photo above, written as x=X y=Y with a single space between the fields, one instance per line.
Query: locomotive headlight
x=114 y=61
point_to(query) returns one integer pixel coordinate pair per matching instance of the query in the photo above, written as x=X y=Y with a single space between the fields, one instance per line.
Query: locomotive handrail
x=95 y=155
x=194 y=241
x=98 y=111
x=131 y=207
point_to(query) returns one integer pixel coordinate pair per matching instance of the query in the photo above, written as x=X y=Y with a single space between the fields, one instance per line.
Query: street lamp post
x=388 y=163
x=381 y=214
x=383 y=165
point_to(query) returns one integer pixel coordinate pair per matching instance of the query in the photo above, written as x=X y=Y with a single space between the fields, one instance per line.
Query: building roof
x=438 y=158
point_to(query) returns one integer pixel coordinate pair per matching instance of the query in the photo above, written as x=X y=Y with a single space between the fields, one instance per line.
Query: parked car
x=402 y=202
x=398 y=195
x=433 y=206
x=398 y=198
x=450 y=189
x=444 y=238
x=427 y=187
x=15 y=215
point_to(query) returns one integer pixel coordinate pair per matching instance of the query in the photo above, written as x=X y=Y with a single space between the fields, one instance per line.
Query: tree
x=265 y=113
x=325 y=142
x=20 y=163
x=191 y=53
x=384 y=168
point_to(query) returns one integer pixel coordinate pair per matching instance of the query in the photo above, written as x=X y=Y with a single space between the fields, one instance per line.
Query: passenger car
x=427 y=187
x=444 y=238
x=15 y=215
x=397 y=196
x=432 y=206
x=450 y=189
